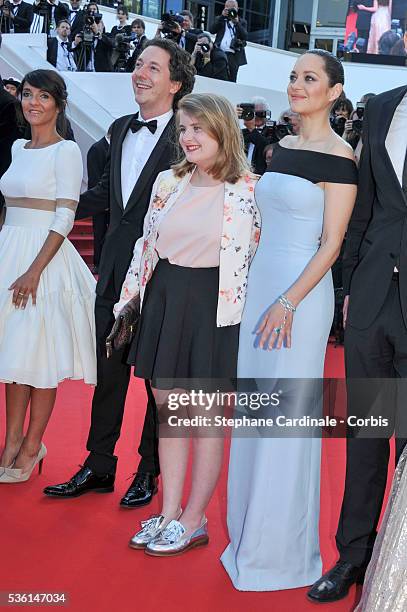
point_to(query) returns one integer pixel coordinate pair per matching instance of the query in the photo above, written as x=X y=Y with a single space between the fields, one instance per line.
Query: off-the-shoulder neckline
x=316 y=152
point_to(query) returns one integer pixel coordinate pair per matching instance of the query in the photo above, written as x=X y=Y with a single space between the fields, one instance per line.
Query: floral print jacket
x=240 y=237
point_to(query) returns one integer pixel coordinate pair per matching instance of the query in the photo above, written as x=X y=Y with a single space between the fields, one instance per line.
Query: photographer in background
x=256 y=133
x=188 y=24
x=138 y=28
x=340 y=114
x=354 y=126
x=76 y=18
x=15 y=16
x=59 y=49
x=291 y=120
x=53 y=11
x=208 y=60
x=121 y=36
x=93 y=48
x=231 y=37
x=12 y=85
x=171 y=27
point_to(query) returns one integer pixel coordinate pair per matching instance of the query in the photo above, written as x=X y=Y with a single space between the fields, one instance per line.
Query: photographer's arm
x=217 y=25
x=241 y=31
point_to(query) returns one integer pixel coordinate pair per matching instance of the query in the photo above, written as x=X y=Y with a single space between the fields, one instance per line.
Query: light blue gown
x=274 y=482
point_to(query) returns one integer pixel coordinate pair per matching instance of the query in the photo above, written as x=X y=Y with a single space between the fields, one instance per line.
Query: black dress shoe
x=140 y=492
x=82 y=482
x=335 y=584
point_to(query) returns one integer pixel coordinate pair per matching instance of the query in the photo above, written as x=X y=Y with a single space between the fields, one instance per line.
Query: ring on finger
x=21 y=293
x=277 y=330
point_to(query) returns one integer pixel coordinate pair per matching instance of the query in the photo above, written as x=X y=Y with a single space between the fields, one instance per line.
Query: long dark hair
x=51 y=82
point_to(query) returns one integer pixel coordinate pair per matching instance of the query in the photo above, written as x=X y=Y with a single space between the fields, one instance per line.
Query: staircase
x=81 y=237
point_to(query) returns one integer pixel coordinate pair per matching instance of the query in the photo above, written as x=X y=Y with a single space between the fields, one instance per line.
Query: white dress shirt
x=396 y=139
x=65 y=59
x=228 y=37
x=136 y=149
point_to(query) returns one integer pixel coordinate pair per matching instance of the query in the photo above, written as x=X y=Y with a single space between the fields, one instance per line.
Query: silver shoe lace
x=173 y=532
x=150 y=525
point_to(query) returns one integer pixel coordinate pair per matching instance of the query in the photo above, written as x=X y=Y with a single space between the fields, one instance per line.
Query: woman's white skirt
x=54 y=340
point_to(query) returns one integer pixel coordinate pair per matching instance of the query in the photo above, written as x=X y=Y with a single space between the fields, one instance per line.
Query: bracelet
x=286 y=304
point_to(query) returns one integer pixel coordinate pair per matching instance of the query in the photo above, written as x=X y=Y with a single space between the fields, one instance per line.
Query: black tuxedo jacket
x=96 y=161
x=364 y=17
x=77 y=24
x=126 y=224
x=377 y=236
x=62 y=11
x=260 y=141
x=219 y=27
x=22 y=20
x=52 y=49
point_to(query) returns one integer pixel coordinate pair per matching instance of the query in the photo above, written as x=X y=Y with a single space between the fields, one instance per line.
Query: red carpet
x=80 y=546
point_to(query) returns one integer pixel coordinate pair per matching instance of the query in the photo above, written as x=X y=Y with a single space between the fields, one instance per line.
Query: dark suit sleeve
x=258 y=139
x=220 y=67
x=362 y=212
x=24 y=21
x=241 y=30
x=51 y=51
x=217 y=25
x=96 y=200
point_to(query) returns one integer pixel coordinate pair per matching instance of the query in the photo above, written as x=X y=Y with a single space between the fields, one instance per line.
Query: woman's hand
x=275 y=325
x=23 y=287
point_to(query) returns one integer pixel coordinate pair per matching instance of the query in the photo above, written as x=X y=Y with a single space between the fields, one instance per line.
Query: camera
x=249 y=112
x=205 y=48
x=357 y=124
x=276 y=131
x=170 y=21
x=338 y=124
x=232 y=13
x=237 y=44
x=91 y=17
x=121 y=40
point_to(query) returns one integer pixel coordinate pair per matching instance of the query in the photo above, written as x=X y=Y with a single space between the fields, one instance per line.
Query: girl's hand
x=23 y=287
x=275 y=325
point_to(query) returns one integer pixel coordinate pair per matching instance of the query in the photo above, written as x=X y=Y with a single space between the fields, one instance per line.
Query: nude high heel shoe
x=14 y=475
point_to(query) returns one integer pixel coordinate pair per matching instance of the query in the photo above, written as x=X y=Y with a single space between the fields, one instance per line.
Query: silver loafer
x=172 y=541
x=149 y=530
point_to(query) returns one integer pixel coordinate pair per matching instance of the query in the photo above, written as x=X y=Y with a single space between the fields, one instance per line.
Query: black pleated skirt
x=177 y=339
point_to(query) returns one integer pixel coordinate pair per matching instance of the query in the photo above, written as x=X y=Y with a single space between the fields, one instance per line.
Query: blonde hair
x=219 y=119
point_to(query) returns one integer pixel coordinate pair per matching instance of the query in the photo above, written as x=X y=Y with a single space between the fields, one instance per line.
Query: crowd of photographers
x=78 y=41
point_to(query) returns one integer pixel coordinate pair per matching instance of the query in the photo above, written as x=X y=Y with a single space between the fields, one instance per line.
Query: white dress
x=54 y=340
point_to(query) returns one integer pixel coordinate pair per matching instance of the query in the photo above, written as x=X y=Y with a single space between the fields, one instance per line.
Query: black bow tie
x=136 y=125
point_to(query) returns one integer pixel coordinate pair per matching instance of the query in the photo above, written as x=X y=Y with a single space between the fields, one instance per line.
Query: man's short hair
x=63 y=21
x=181 y=69
x=188 y=14
x=138 y=22
x=259 y=101
x=205 y=35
